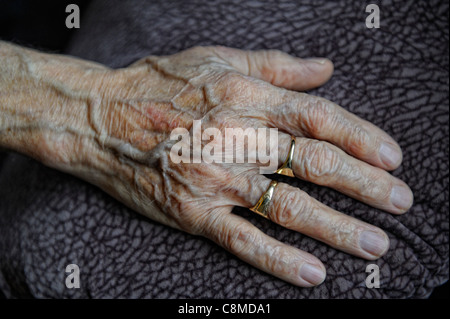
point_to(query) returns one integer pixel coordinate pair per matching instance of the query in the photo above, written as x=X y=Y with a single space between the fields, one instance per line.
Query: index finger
x=315 y=117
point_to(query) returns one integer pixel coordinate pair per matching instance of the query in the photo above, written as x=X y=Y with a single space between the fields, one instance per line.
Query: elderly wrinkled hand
x=114 y=128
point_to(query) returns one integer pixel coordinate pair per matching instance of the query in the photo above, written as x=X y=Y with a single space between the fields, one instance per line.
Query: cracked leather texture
x=396 y=76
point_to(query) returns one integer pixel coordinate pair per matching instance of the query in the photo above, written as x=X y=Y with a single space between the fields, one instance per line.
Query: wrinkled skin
x=112 y=128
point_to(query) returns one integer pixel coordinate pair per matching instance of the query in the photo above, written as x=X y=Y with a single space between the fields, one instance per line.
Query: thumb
x=278 y=68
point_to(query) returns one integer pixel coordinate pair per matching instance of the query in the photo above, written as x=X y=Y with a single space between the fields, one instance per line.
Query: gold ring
x=286 y=168
x=262 y=206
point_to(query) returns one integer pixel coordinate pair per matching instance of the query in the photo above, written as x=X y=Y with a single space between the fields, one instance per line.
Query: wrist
x=43 y=103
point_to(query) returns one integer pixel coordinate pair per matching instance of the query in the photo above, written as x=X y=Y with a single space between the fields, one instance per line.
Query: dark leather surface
x=396 y=77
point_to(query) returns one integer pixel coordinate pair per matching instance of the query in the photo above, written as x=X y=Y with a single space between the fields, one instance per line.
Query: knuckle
x=284 y=74
x=376 y=186
x=359 y=140
x=237 y=239
x=316 y=115
x=278 y=259
x=264 y=64
x=292 y=206
x=319 y=160
x=236 y=87
x=283 y=213
x=343 y=232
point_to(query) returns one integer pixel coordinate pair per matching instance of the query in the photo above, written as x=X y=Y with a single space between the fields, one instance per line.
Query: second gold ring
x=286 y=168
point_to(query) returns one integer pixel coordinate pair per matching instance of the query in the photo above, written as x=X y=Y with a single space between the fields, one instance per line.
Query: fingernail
x=389 y=154
x=373 y=243
x=312 y=274
x=401 y=197
x=321 y=61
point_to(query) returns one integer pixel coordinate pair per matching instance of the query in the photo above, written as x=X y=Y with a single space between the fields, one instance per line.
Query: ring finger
x=292 y=208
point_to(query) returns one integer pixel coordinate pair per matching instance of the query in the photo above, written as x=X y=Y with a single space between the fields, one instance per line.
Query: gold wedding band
x=286 y=168
x=262 y=206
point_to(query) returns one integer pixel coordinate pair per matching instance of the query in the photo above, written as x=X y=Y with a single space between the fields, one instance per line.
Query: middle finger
x=325 y=164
